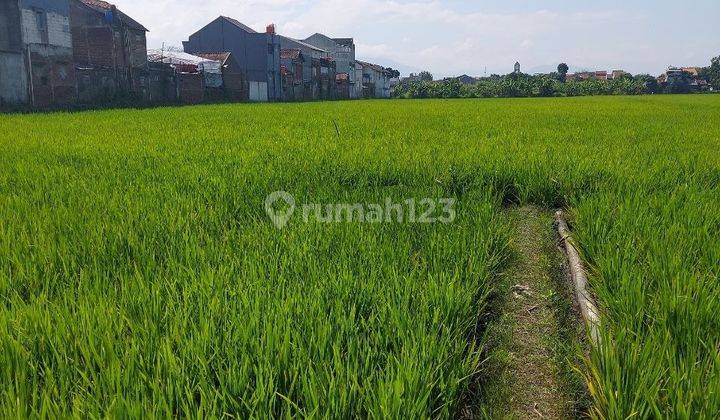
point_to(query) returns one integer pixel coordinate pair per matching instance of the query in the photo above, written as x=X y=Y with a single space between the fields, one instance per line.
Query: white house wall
x=58 y=28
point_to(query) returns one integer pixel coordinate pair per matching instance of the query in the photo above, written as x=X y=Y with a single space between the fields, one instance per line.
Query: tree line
x=518 y=85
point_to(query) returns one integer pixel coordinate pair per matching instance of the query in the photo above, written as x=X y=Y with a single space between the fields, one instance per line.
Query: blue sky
x=452 y=37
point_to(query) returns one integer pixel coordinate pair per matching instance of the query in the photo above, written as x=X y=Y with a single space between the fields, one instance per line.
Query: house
x=587 y=75
x=693 y=71
x=294 y=73
x=683 y=79
x=109 y=51
x=257 y=54
x=234 y=85
x=342 y=50
x=307 y=78
x=618 y=74
x=324 y=79
x=376 y=81
x=36 y=65
x=320 y=81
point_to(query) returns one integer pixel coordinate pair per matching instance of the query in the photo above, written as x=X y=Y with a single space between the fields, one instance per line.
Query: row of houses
x=62 y=52
x=596 y=75
x=281 y=68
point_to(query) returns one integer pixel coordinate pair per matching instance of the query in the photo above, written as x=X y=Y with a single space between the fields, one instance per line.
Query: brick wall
x=52 y=76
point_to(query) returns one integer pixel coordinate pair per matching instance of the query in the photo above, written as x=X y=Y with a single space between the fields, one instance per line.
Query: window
x=41 y=24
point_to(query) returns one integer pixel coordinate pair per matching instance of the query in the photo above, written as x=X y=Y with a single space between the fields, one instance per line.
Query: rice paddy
x=140 y=274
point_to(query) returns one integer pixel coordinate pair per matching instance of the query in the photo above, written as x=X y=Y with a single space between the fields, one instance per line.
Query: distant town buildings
x=595 y=75
x=683 y=78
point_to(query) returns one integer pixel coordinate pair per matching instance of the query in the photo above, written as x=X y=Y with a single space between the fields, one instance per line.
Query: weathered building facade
x=305 y=78
x=257 y=54
x=294 y=72
x=342 y=50
x=376 y=80
x=36 y=53
x=13 y=73
x=109 y=51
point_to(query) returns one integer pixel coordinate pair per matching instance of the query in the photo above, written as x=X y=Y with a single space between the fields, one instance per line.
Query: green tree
x=649 y=83
x=712 y=73
x=392 y=72
x=563 y=70
x=426 y=76
x=679 y=83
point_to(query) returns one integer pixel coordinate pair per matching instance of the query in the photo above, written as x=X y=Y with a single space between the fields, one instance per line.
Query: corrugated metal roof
x=221 y=57
x=175 y=57
x=103 y=6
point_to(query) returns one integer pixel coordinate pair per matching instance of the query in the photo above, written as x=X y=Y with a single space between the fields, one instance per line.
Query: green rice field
x=140 y=275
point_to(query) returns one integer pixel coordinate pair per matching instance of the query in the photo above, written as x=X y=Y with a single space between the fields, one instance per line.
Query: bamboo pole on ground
x=588 y=308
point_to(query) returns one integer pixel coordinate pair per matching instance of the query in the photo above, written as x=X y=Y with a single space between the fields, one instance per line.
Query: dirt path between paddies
x=535 y=336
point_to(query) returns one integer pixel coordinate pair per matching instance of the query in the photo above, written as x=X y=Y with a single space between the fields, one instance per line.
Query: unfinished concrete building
x=36 y=65
x=109 y=50
x=13 y=76
x=342 y=50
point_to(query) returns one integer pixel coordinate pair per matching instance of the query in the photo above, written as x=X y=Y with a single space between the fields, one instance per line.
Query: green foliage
x=679 y=84
x=649 y=83
x=524 y=86
x=562 y=70
x=426 y=76
x=712 y=73
x=392 y=72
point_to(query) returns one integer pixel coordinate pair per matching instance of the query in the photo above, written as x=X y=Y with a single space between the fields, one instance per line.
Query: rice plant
x=140 y=275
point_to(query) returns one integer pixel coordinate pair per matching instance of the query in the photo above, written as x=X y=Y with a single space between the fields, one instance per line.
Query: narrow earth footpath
x=533 y=338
